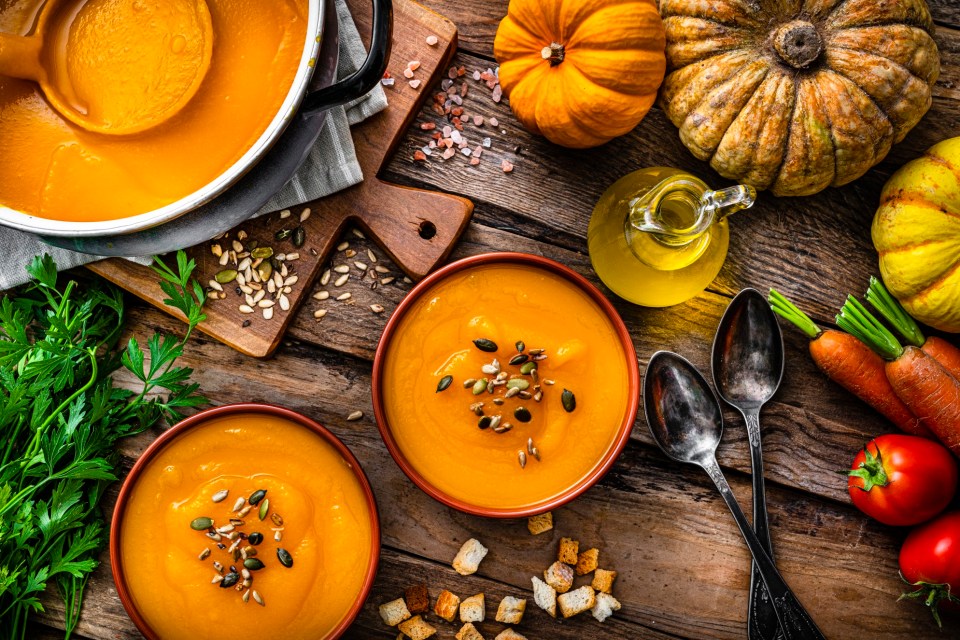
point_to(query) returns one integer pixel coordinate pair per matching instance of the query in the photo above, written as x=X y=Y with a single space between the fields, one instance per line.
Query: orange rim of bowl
x=630 y=357
x=199 y=418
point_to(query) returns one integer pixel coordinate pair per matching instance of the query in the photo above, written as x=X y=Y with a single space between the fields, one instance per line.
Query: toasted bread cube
x=540 y=524
x=559 y=576
x=473 y=609
x=577 y=601
x=511 y=610
x=394 y=612
x=569 y=549
x=605 y=606
x=587 y=561
x=603 y=580
x=418 y=599
x=509 y=634
x=447 y=605
x=545 y=596
x=469 y=632
x=417 y=629
x=469 y=557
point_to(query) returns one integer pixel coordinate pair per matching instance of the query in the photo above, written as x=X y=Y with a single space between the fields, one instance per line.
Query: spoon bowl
x=115 y=66
x=683 y=414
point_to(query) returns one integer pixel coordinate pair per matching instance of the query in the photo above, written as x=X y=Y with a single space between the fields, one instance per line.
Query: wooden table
x=683 y=568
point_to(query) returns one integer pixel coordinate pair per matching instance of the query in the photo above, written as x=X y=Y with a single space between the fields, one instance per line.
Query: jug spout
x=730 y=200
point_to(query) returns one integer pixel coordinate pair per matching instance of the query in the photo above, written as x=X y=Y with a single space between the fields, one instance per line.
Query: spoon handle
x=762 y=622
x=20 y=56
x=794 y=619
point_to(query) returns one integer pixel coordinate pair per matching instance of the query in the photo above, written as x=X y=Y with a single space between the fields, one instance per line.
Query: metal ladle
x=685 y=419
x=747 y=369
x=114 y=67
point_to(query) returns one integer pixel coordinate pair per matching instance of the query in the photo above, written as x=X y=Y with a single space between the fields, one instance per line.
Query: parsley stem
x=35 y=444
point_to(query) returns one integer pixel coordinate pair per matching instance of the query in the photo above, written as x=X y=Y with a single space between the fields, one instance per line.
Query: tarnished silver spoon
x=685 y=419
x=747 y=369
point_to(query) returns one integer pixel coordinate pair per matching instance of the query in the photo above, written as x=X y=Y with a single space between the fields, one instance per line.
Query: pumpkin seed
x=444 y=383
x=253 y=564
x=265 y=271
x=522 y=414
x=520 y=346
x=285 y=558
x=484 y=422
x=199 y=524
x=469 y=382
x=485 y=345
x=569 y=400
x=264 y=508
x=225 y=276
x=257 y=496
x=261 y=253
x=299 y=237
x=479 y=386
x=229 y=580
x=255 y=538
x=220 y=496
x=519 y=359
x=518 y=383
x=528 y=368
x=283 y=234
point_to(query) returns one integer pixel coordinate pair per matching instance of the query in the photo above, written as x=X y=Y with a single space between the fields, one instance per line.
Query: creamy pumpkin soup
x=55 y=169
x=504 y=385
x=246 y=522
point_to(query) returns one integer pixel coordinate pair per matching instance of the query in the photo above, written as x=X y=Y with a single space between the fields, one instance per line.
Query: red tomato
x=930 y=560
x=902 y=480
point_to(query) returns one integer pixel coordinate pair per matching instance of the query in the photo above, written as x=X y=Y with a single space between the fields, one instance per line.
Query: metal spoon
x=747 y=369
x=685 y=419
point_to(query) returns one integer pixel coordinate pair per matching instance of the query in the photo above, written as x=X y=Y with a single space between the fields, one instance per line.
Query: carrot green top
x=894 y=313
x=786 y=309
x=857 y=321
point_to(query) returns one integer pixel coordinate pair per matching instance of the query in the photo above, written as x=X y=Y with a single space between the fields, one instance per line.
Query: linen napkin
x=331 y=166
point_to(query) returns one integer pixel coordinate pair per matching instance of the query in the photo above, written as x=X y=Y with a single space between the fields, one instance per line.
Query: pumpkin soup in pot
x=245 y=517
x=63 y=172
x=505 y=385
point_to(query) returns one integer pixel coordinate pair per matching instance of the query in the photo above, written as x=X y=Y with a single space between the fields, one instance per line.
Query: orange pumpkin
x=581 y=72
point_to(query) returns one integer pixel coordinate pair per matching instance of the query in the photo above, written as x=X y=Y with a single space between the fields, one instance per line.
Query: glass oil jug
x=658 y=236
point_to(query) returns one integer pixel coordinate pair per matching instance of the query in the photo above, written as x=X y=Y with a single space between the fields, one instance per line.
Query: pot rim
x=601 y=467
x=288 y=109
x=200 y=418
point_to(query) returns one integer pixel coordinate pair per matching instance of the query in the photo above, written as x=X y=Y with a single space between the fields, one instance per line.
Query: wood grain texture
x=683 y=568
x=417 y=228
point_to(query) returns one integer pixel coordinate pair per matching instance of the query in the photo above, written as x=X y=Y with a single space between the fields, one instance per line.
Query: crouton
x=511 y=610
x=603 y=580
x=559 y=576
x=577 y=601
x=447 y=605
x=473 y=609
x=469 y=632
x=417 y=629
x=568 y=551
x=540 y=524
x=469 y=557
x=509 y=634
x=545 y=596
x=587 y=561
x=418 y=599
x=605 y=606
x=394 y=612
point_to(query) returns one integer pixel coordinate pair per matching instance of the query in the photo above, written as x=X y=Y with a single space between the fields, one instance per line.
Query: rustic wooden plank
x=684 y=569
x=815 y=248
x=478 y=21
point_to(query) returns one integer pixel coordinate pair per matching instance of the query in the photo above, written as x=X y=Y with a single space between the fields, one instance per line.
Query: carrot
x=851 y=364
x=925 y=386
x=937 y=348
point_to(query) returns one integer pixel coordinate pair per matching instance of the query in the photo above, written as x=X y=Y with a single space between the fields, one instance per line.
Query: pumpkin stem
x=554 y=53
x=798 y=43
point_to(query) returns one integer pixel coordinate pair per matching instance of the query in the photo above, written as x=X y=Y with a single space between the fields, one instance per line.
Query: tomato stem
x=931 y=594
x=871 y=470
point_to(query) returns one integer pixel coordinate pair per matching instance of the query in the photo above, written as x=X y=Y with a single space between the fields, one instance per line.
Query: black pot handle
x=367 y=76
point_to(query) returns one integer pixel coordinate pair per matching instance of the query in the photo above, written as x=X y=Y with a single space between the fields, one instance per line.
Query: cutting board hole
x=427 y=230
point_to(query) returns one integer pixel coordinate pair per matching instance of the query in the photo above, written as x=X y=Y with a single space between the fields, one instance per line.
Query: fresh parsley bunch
x=60 y=418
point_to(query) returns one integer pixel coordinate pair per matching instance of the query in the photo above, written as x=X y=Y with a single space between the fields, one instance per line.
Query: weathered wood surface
x=684 y=570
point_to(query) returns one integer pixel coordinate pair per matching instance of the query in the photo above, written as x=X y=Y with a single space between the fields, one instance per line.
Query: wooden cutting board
x=416 y=228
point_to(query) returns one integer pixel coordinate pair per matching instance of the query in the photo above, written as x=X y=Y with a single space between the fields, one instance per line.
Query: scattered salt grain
x=494 y=122
x=387 y=82
x=414 y=83
x=486 y=143
x=507 y=166
x=408 y=73
x=432 y=40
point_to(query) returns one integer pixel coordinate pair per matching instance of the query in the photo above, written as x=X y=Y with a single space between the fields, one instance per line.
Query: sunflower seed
x=204 y=554
x=220 y=496
x=469 y=383
x=305 y=214
x=387 y=281
x=357 y=233
x=258 y=598
x=536 y=352
x=284 y=302
x=503 y=428
x=498 y=401
x=549 y=382
x=381 y=269
x=246 y=595
x=342 y=280
x=244 y=308
x=244 y=264
x=325 y=278
x=285 y=214
x=216 y=286
x=224 y=259
x=360 y=265
x=536 y=453
x=265 y=304
x=277 y=536
x=227 y=528
x=349 y=253
x=522 y=458
x=342 y=268
x=371 y=255
x=217 y=578
x=237 y=246
x=319 y=313
x=377 y=308
x=244 y=511
x=354 y=416
x=268 y=313
x=495 y=422
x=344 y=296
x=321 y=295
x=292 y=280
x=492 y=368
x=343 y=246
